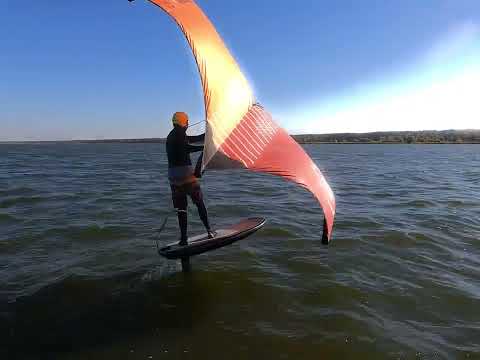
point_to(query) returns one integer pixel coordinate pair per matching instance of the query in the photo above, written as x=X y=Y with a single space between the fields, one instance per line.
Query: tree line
x=395 y=137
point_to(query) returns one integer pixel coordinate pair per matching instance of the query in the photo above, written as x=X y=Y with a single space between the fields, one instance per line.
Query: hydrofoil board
x=224 y=236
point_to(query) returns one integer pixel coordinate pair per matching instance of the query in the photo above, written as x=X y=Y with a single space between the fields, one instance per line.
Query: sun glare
x=440 y=92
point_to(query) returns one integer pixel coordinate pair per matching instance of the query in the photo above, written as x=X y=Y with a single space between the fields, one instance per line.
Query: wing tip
x=326 y=234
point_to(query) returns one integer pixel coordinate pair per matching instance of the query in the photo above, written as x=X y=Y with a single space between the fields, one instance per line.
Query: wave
x=22 y=200
x=90 y=232
x=413 y=204
x=21 y=190
x=7 y=218
x=277 y=232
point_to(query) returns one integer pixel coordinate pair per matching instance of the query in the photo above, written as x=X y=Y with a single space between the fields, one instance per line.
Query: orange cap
x=180 y=118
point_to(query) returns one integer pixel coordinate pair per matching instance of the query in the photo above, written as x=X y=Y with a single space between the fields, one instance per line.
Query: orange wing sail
x=240 y=132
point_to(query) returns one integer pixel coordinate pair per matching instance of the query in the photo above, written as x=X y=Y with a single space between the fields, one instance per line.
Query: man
x=183 y=179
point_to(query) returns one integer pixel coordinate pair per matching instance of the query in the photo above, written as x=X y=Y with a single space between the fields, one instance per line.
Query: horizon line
x=164 y=138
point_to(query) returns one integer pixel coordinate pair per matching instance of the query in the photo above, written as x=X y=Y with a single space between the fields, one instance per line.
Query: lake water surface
x=80 y=277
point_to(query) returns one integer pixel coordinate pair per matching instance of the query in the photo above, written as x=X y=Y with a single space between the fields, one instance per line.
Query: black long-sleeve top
x=179 y=147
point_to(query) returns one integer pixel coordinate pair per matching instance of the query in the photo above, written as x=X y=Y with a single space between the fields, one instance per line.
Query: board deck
x=224 y=236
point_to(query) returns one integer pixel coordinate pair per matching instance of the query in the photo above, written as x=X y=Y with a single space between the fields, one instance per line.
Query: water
x=80 y=278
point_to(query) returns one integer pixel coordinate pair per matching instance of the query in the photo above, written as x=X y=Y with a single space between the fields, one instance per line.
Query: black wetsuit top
x=179 y=149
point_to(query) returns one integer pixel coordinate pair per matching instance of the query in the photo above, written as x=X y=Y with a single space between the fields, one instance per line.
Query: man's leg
x=197 y=198
x=202 y=212
x=182 y=222
x=179 y=198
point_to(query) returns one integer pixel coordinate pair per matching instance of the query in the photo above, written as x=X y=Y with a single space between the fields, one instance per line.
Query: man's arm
x=194 y=148
x=196 y=138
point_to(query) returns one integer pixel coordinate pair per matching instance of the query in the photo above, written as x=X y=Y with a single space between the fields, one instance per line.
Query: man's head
x=180 y=119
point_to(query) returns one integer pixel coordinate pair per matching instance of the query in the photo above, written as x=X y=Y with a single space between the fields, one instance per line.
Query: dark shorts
x=180 y=192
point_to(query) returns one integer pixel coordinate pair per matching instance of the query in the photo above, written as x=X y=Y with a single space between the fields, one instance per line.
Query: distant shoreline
x=395 y=137
x=380 y=137
x=134 y=141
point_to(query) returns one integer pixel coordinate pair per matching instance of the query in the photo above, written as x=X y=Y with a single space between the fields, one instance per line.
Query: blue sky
x=113 y=69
